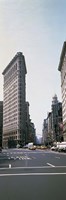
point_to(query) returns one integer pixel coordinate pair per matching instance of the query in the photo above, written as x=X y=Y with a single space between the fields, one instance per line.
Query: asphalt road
x=39 y=175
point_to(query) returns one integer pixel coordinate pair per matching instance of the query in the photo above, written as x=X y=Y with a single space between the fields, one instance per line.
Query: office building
x=45 y=131
x=1 y=122
x=27 y=122
x=32 y=132
x=57 y=119
x=62 y=69
x=14 y=103
x=49 y=121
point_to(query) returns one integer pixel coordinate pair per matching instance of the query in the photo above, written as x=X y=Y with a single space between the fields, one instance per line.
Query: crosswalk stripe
x=20 y=158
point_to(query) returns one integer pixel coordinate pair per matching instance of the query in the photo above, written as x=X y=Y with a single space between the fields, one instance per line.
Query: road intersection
x=32 y=175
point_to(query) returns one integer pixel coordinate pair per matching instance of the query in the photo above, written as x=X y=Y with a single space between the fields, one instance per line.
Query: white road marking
x=12 y=157
x=9 y=166
x=28 y=158
x=19 y=157
x=33 y=174
x=57 y=157
x=50 y=164
x=35 y=167
x=23 y=158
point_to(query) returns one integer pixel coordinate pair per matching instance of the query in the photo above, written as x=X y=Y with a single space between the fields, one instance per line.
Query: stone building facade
x=14 y=109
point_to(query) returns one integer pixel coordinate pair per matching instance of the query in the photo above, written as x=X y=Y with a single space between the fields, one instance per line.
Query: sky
x=37 y=28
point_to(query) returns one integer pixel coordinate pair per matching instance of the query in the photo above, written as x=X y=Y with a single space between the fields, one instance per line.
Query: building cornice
x=62 y=56
x=19 y=54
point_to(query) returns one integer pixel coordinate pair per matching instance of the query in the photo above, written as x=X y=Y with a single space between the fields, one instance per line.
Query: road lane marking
x=34 y=167
x=33 y=174
x=12 y=157
x=50 y=164
x=9 y=166
x=57 y=157
x=28 y=158
x=16 y=158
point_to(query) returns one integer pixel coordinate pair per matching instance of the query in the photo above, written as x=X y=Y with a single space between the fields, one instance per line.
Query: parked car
x=38 y=147
x=18 y=146
x=53 y=148
x=43 y=147
x=33 y=147
x=25 y=146
x=62 y=147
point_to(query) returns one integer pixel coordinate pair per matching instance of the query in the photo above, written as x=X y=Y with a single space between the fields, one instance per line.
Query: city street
x=38 y=174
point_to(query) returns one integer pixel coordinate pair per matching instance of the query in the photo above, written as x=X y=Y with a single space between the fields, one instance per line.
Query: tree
x=11 y=143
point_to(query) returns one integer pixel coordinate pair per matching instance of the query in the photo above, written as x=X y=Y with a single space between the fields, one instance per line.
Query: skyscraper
x=57 y=119
x=14 y=103
x=45 y=131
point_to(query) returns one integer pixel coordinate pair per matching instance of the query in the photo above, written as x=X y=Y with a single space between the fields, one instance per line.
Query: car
x=38 y=147
x=18 y=146
x=62 y=147
x=25 y=146
x=43 y=147
x=33 y=147
x=53 y=148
